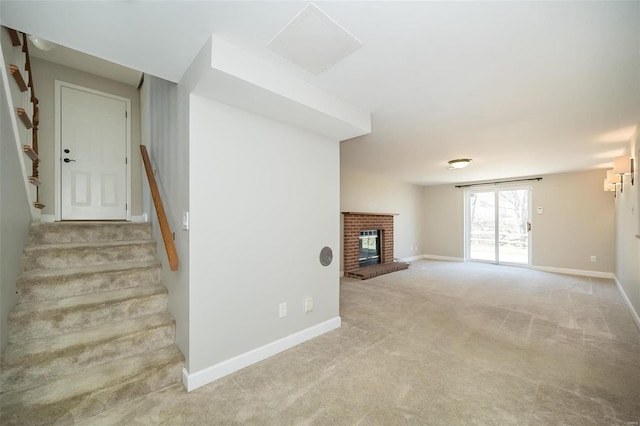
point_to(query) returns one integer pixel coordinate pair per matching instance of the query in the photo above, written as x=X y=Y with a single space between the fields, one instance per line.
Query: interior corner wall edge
x=161 y=130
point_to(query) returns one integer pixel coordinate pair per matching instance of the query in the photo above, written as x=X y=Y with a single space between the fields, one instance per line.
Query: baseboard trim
x=447 y=258
x=412 y=258
x=210 y=374
x=581 y=272
x=627 y=302
x=47 y=218
x=134 y=218
x=139 y=218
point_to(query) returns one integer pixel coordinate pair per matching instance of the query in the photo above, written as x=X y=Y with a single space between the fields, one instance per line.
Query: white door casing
x=94 y=127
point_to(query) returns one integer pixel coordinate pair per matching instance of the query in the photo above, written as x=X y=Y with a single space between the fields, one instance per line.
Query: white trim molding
x=447 y=258
x=581 y=272
x=200 y=378
x=627 y=302
x=47 y=218
x=412 y=258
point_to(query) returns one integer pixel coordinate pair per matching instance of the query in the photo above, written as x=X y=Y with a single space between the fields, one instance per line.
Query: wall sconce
x=613 y=179
x=623 y=166
x=609 y=187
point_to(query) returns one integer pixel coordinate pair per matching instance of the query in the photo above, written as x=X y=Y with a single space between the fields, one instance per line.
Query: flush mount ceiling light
x=41 y=43
x=459 y=163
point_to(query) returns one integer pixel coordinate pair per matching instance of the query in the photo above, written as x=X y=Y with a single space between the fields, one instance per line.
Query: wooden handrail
x=167 y=236
x=35 y=118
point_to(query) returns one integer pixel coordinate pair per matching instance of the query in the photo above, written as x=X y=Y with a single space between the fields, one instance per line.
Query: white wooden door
x=93 y=156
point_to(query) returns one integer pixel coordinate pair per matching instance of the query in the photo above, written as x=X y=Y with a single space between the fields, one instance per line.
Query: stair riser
x=84 y=406
x=26 y=327
x=56 y=233
x=29 y=371
x=56 y=287
x=58 y=258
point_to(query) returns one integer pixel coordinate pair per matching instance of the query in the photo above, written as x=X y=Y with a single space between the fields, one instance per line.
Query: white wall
x=44 y=75
x=169 y=152
x=15 y=213
x=264 y=200
x=362 y=192
x=578 y=222
x=628 y=233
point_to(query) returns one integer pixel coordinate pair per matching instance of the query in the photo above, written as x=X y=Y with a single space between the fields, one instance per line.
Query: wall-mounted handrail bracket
x=22 y=114
x=30 y=152
x=15 y=72
x=165 y=230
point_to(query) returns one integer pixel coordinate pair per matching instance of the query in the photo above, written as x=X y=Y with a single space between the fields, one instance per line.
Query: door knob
x=66 y=160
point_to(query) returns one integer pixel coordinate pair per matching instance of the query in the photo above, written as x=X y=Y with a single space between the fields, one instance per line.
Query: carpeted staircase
x=91 y=328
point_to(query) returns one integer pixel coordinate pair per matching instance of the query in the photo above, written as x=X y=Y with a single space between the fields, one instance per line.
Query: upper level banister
x=165 y=230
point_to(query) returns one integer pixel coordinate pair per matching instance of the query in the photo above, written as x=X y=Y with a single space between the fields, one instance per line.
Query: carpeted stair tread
x=27 y=364
x=90 y=391
x=91 y=329
x=70 y=232
x=72 y=255
x=35 y=319
x=47 y=284
x=120 y=266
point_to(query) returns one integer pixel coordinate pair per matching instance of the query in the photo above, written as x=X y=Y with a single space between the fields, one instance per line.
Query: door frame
x=467 y=222
x=57 y=154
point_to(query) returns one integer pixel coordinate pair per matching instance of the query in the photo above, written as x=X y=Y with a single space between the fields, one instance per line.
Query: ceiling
x=81 y=61
x=522 y=88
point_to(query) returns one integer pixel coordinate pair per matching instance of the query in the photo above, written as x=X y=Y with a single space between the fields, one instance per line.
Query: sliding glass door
x=497 y=226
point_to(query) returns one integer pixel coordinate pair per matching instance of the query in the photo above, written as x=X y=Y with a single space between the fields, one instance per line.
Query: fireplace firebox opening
x=369 y=247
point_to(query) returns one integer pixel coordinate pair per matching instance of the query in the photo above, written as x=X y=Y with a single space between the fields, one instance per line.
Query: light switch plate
x=185 y=220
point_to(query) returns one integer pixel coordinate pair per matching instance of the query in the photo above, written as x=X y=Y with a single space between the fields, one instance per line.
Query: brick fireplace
x=356 y=222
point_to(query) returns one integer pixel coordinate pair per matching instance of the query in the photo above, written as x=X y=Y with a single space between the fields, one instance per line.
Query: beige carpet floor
x=439 y=344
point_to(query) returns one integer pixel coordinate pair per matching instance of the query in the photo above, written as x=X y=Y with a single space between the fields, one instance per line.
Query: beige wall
x=44 y=75
x=443 y=221
x=578 y=222
x=627 y=231
x=360 y=192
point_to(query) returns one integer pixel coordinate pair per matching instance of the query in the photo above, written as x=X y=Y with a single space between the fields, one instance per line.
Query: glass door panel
x=498 y=225
x=513 y=234
x=482 y=226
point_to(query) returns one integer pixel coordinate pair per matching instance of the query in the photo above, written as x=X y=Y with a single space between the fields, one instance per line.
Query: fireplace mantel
x=371 y=214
